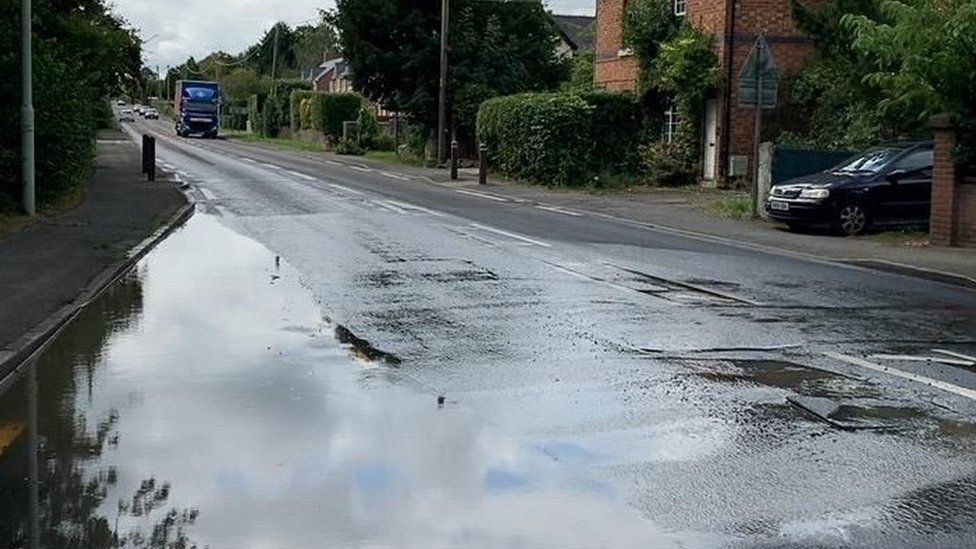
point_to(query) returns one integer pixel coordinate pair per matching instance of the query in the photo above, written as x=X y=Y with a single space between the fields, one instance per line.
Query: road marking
x=945 y=386
x=361 y=168
x=416 y=208
x=912 y=358
x=301 y=175
x=395 y=176
x=272 y=166
x=558 y=210
x=207 y=194
x=386 y=204
x=346 y=189
x=485 y=196
x=333 y=162
x=511 y=235
x=957 y=355
x=251 y=160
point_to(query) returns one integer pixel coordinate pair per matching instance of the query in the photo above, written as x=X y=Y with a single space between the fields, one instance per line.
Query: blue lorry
x=197 y=108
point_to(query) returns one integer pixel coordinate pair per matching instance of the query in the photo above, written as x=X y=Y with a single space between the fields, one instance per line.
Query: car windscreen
x=873 y=161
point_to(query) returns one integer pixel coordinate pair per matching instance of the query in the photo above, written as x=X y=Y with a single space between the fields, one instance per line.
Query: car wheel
x=852 y=219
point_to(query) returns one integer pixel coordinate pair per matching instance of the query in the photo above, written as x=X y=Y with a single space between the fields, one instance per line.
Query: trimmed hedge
x=560 y=138
x=255 y=110
x=330 y=110
x=295 y=104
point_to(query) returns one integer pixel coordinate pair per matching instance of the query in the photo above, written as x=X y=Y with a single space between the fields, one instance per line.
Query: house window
x=680 y=7
x=671 y=121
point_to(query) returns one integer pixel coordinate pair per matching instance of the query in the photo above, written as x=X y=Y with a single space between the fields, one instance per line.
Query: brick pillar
x=942 y=227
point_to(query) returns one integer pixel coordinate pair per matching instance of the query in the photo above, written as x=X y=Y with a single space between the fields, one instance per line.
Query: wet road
x=604 y=384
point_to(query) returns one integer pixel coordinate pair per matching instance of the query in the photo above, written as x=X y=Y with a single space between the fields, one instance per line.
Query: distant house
x=333 y=76
x=577 y=34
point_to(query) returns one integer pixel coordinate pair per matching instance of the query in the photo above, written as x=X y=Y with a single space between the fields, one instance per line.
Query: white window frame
x=680 y=7
x=671 y=121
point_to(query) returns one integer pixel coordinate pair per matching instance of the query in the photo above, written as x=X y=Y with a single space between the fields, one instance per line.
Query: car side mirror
x=895 y=175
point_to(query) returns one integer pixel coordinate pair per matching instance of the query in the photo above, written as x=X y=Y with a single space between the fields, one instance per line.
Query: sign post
x=759 y=88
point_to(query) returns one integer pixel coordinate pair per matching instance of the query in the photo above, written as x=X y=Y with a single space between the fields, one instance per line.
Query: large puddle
x=203 y=400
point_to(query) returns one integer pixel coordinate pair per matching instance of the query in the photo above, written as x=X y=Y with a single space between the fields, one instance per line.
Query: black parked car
x=887 y=185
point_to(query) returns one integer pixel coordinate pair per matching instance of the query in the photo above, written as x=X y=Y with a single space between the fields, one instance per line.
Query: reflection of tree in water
x=71 y=492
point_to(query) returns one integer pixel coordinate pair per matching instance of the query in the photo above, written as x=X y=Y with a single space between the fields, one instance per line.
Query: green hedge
x=295 y=104
x=560 y=138
x=231 y=118
x=330 y=110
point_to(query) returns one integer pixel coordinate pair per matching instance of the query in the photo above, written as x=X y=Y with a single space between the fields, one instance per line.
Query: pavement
x=46 y=265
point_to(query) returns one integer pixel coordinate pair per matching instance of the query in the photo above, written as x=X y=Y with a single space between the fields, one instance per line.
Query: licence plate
x=780 y=206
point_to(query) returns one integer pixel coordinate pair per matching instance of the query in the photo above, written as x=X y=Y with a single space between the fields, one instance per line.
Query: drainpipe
x=730 y=14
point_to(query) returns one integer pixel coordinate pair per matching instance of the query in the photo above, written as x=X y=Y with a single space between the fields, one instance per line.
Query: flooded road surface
x=429 y=367
x=204 y=400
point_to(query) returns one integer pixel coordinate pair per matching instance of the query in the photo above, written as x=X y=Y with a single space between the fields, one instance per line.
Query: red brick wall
x=611 y=71
x=953 y=216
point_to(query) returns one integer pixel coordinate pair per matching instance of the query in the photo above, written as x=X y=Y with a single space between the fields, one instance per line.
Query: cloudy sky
x=177 y=29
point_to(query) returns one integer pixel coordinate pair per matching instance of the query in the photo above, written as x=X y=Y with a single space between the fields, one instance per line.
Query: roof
x=579 y=31
x=338 y=64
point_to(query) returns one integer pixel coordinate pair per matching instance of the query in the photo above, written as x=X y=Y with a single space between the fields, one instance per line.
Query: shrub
x=383 y=142
x=350 y=147
x=560 y=139
x=669 y=164
x=255 y=107
x=297 y=116
x=306 y=113
x=330 y=110
x=234 y=115
x=368 y=128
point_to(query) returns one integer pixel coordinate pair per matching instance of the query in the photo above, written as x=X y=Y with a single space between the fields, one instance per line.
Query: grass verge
x=279 y=142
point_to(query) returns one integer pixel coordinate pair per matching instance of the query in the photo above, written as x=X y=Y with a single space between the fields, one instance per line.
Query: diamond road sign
x=759 y=76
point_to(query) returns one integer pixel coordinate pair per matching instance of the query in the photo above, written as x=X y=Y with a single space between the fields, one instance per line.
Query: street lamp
x=442 y=95
x=27 y=117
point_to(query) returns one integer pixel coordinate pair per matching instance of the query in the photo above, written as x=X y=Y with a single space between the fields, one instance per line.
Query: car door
x=907 y=191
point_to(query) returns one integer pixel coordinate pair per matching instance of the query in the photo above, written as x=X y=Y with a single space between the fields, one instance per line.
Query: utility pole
x=27 y=116
x=442 y=95
x=159 y=84
x=274 y=58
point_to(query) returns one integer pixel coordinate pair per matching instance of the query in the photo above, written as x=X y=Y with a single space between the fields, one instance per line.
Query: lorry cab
x=197 y=108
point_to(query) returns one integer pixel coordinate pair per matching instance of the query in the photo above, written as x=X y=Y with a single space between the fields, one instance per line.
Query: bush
x=669 y=164
x=561 y=139
x=306 y=113
x=383 y=142
x=233 y=116
x=330 y=110
x=368 y=128
x=255 y=107
x=297 y=101
x=350 y=147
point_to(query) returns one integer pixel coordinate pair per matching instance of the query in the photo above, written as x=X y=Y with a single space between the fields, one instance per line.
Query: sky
x=177 y=29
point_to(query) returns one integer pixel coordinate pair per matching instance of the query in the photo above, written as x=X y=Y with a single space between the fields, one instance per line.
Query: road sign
x=759 y=77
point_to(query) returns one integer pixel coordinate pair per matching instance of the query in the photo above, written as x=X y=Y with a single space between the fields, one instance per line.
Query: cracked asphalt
x=332 y=354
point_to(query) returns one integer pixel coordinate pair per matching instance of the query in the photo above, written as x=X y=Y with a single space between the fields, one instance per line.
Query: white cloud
x=179 y=29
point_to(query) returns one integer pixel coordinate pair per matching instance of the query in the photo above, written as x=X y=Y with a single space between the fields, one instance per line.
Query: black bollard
x=454 y=159
x=482 y=164
x=151 y=157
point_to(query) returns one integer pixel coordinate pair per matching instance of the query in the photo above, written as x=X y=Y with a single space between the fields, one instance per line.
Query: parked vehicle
x=138 y=109
x=197 y=108
x=126 y=116
x=120 y=102
x=151 y=114
x=885 y=186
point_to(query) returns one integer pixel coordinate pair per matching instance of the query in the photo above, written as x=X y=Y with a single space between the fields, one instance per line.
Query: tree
x=313 y=44
x=647 y=25
x=261 y=56
x=495 y=49
x=580 y=74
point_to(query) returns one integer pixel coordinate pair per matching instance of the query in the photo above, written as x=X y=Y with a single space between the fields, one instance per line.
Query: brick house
x=727 y=129
x=335 y=76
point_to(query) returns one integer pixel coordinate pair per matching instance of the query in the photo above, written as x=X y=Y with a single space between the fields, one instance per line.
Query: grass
x=730 y=208
x=280 y=142
x=391 y=157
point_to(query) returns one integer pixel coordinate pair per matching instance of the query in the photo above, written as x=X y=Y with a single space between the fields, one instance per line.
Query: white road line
x=395 y=176
x=207 y=194
x=246 y=159
x=272 y=166
x=345 y=189
x=511 y=235
x=302 y=176
x=558 y=210
x=406 y=206
x=957 y=355
x=361 y=169
x=333 y=162
x=485 y=196
x=913 y=358
x=945 y=386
